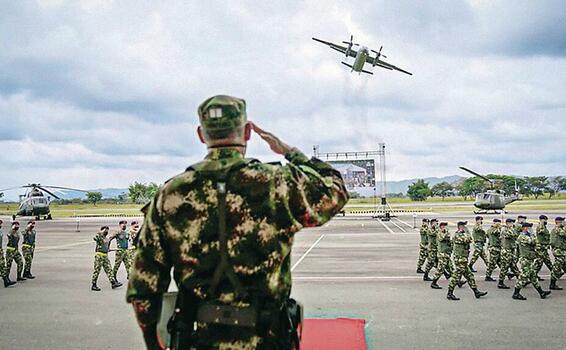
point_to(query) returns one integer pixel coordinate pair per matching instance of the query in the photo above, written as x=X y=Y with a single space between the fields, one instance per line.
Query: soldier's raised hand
x=273 y=141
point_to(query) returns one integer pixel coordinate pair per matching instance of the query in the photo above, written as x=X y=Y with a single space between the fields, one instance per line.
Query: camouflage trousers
x=528 y=274
x=122 y=256
x=423 y=253
x=3 y=271
x=27 y=252
x=479 y=252
x=508 y=262
x=101 y=261
x=559 y=267
x=14 y=255
x=494 y=260
x=444 y=265
x=542 y=258
x=462 y=269
x=432 y=259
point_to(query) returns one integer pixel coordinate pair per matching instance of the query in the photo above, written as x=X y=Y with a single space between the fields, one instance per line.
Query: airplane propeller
x=377 y=55
x=350 y=44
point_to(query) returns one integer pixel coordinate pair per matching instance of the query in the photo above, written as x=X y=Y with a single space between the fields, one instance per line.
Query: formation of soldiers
x=125 y=251
x=21 y=254
x=513 y=247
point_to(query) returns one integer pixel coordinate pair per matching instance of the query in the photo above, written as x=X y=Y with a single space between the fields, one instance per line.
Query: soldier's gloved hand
x=273 y=141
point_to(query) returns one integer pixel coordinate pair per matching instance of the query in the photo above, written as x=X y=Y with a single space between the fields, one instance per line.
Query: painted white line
x=307 y=252
x=399 y=227
x=43 y=249
x=387 y=227
x=369 y=278
x=403 y=222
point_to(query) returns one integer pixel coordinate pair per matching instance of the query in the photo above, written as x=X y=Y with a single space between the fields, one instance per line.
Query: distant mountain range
x=403 y=185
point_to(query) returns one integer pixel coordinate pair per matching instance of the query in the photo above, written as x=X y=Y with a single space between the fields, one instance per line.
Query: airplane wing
x=337 y=47
x=386 y=65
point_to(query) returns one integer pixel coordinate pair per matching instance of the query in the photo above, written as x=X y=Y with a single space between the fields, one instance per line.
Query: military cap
x=521 y=217
x=31 y=222
x=479 y=218
x=543 y=217
x=559 y=218
x=443 y=224
x=510 y=220
x=123 y=222
x=433 y=220
x=462 y=223
x=16 y=223
x=134 y=223
x=425 y=220
x=526 y=224
x=220 y=115
x=496 y=220
x=104 y=228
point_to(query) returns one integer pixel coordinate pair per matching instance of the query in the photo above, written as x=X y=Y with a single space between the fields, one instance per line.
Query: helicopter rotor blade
x=478 y=175
x=51 y=193
x=12 y=188
x=65 y=188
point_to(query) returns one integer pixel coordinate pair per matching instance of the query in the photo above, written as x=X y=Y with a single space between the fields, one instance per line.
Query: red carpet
x=333 y=334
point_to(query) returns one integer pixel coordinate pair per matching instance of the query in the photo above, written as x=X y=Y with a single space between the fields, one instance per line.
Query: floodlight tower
x=383 y=210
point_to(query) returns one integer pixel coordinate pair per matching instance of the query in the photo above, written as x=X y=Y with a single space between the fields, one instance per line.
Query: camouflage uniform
x=122 y=253
x=12 y=252
x=423 y=246
x=28 y=248
x=494 y=248
x=542 y=247
x=461 y=254
x=479 y=237
x=432 y=258
x=527 y=259
x=3 y=270
x=266 y=204
x=133 y=235
x=509 y=245
x=558 y=242
x=101 y=260
x=444 y=253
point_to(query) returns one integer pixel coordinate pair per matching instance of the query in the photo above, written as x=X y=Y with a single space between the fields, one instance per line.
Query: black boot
x=116 y=285
x=502 y=285
x=478 y=293
x=426 y=278
x=95 y=288
x=510 y=275
x=543 y=293
x=450 y=295
x=434 y=284
x=28 y=275
x=447 y=275
x=489 y=279
x=472 y=268
x=7 y=282
x=517 y=295
x=419 y=270
x=553 y=285
x=20 y=278
x=462 y=283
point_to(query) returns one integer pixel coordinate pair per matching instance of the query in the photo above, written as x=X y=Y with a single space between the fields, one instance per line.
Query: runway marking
x=43 y=249
x=369 y=278
x=399 y=227
x=307 y=252
x=387 y=227
x=403 y=222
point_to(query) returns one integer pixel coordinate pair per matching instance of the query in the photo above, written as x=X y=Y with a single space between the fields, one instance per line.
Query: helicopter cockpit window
x=486 y=196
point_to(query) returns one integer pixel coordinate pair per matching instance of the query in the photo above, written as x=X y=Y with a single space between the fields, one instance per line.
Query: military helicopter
x=492 y=199
x=34 y=202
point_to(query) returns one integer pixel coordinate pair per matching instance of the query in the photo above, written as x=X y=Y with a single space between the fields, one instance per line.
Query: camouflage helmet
x=220 y=115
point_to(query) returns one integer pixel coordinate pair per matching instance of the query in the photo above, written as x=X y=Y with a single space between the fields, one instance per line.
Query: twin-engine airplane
x=362 y=56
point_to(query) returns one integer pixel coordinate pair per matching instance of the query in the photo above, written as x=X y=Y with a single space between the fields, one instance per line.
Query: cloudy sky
x=102 y=93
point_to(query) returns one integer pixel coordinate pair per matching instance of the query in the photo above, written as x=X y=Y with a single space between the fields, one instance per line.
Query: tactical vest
x=494 y=234
x=29 y=237
x=122 y=240
x=526 y=246
x=556 y=240
x=461 y=247
x=102 y=244
x=13 y=239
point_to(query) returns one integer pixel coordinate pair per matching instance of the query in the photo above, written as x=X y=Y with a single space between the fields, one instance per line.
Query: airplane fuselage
x=360 y=59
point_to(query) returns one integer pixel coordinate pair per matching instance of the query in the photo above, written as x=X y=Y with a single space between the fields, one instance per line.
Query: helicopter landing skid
x=487 y=212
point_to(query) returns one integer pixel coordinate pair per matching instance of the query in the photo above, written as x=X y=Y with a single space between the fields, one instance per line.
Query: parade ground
x=355 y=266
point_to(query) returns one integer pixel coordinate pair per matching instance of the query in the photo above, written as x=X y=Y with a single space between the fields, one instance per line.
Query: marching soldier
x=133 y=234
x=479 y=237
x=542 y=246
x=28 y=248
x=508 y=247
x=461 y=254
x=423 y=246
x=444 y=252
x=3 y=271
x=101 y=260
x=226 y=227
x=494 y=248
x=558 y=243
x=527 y=242
x=13 y=252
x=432 y=258
x=122 y=251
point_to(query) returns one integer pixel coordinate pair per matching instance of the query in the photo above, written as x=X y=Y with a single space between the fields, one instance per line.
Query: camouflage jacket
x=266 y=205
x=102 y=243
x=432 y=233
x=461 y=243
x=494 y=234
x=543 y=236
x=558 y=238
x=526 y=242
x=1 y=238
x=444 y=241
x=478 y=234
x=509 y=238
x=29 y=237
x=424 y=234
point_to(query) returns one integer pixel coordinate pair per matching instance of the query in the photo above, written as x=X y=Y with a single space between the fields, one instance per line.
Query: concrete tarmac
x=352 y=267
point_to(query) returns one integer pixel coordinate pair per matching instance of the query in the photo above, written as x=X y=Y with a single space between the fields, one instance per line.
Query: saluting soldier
x=13 y=252
x=444 y=253
x=461 y=254
x=122 y=251
x=527 y=242
x=4 y=273
x=479 y=236
x=542 y=246
x=28 y=248
x=423 y=245
x=101 y=260
x=226 y=226
x=494 y=248
x=558 y=243
x=508 y=248
x=432 y=258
